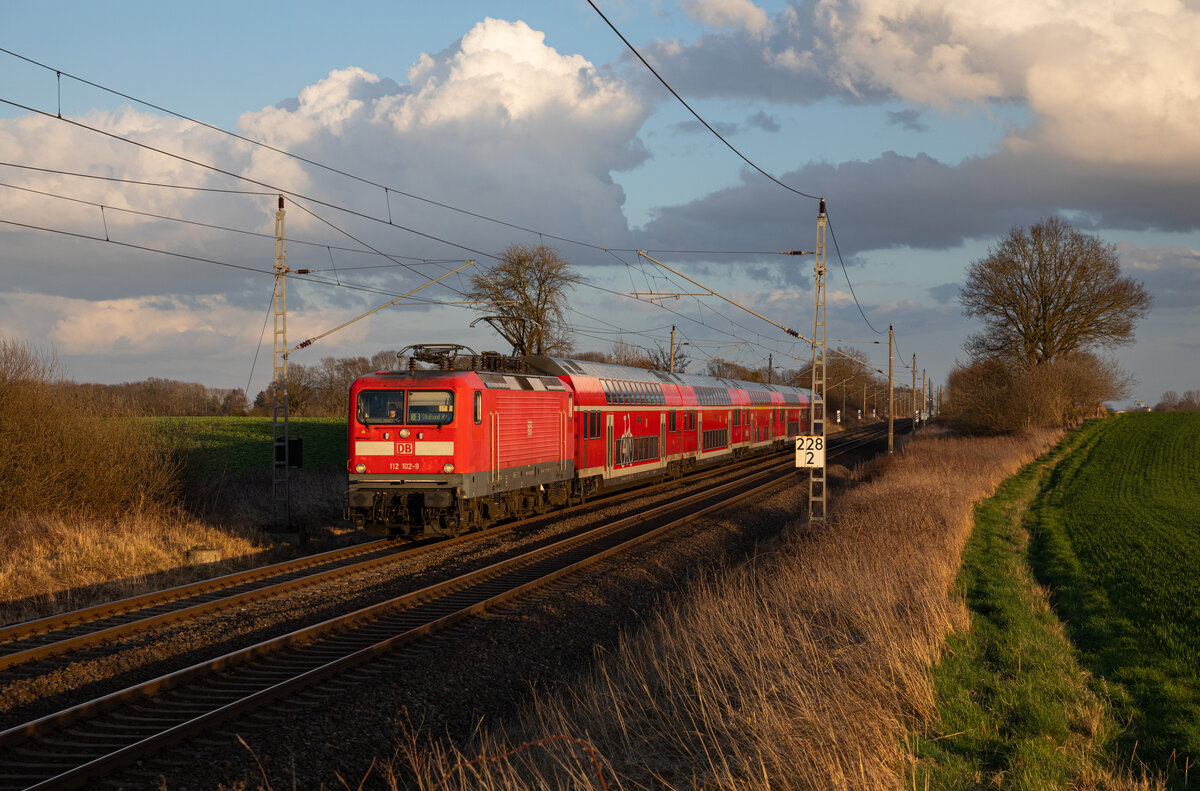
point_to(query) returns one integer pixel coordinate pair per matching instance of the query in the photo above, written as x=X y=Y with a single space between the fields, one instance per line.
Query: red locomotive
x=437 y=452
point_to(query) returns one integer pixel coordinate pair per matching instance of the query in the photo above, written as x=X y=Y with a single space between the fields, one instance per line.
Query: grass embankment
x=1109 y=523
x=802 y=669
x=92 y=507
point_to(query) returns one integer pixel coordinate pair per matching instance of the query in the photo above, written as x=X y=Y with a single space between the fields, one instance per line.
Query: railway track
x=31 y=641
x=74 y=746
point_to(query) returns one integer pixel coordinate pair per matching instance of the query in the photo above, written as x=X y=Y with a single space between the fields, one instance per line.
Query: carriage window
x=430 y=407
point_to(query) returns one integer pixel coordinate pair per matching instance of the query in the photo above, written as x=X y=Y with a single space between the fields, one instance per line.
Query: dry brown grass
x=803 y=669
x=91 y=506
x=51 y=564
x=54 y=563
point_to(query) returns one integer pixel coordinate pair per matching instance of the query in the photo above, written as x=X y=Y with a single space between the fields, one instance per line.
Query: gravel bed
x=41 y=688
x=478 y=673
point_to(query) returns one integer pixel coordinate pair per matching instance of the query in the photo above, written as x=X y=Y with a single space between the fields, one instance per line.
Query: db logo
x=406 y=447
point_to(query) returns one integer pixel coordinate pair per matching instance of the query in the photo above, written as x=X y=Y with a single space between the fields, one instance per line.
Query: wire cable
x=838 y=250
x=717 y=134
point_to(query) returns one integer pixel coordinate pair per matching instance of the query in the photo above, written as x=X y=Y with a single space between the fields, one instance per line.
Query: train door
x=609 y=444
x=562 y=436
x=699 y=432
x=494 y=443
x=662 y=439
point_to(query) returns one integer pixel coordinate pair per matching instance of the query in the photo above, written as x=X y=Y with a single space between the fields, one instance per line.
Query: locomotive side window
x=430 y=407
x=478 y=407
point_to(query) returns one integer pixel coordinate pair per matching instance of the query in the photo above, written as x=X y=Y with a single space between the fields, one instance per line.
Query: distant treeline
x=1173 y=402
x=156 y=397
x=313 y=391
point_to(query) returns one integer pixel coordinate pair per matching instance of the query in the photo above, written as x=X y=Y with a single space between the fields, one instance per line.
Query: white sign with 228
x=810 y=451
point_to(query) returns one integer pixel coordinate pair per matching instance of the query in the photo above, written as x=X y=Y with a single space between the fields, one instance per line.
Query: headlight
x=360 y=468
x=403 y=433
x=448 y=468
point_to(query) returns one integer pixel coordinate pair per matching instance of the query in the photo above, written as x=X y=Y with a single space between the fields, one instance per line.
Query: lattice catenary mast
x=816 y=475
x=281 y=501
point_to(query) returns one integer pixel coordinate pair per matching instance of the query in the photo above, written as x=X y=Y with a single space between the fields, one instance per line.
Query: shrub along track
x=144 y=718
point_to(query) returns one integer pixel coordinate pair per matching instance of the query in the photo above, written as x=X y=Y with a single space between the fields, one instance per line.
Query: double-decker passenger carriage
x=486 y=437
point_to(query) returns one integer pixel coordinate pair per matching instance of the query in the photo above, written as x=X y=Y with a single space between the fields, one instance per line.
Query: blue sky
x=931 y=127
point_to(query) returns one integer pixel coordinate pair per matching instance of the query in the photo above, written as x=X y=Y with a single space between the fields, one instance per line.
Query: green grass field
x=1030 y=697
x=1116 y=535
x=215 y=446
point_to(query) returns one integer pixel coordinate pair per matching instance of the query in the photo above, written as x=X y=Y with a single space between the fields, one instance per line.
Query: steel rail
x=15 y=647
x=203 y=708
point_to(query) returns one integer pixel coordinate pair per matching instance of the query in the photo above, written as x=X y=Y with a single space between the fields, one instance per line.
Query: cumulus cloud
x=1108 y=83
x=1053 y=57
x=737 y=14
x=498 y=124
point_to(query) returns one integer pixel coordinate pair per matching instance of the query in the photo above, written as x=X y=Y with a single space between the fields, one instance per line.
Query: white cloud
x=1109 y=81
x=499 y=124
x=736 y=14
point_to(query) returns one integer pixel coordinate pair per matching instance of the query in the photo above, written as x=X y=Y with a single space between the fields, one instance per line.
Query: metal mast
x=816 y=475
x=891 y=407
x=281 y=501
x=916 y=414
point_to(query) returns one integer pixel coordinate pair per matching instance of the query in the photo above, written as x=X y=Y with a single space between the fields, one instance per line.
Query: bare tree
x=660 y=358
x=1168 y=403
x=1048 y=291
x=633 y=356
x=595 y=357
x=525 y=296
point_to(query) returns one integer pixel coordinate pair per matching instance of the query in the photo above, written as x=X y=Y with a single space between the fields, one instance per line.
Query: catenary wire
x=406 y=194
x=666 y=85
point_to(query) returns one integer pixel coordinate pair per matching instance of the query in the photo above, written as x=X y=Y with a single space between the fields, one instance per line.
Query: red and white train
x=438 y=452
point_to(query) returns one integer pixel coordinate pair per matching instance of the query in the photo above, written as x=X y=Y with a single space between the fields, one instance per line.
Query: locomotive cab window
x=430 y=407
x=380 y=406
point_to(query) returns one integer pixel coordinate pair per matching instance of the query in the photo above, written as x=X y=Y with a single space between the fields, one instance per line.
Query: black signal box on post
x=295 y=452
